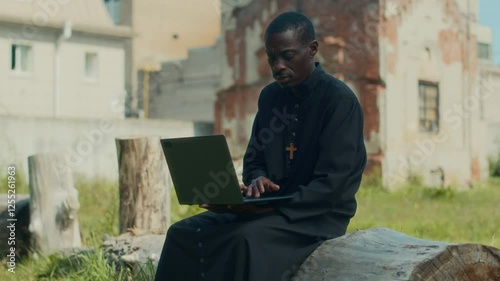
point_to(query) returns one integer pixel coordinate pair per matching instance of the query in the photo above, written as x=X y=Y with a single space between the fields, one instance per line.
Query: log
x=144 y=184
x=54 y=205
x=376 y=254
x=381 y=254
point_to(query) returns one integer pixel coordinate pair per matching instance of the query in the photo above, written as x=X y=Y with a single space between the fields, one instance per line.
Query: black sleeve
x=341 y=161
x=254 y=164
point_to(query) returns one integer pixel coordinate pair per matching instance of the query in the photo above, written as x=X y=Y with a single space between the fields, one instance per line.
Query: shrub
x=494 y=163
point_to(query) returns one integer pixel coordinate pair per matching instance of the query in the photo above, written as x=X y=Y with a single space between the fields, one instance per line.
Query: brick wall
x=348 y=37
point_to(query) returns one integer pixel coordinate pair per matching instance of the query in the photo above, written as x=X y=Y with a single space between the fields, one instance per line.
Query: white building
x=61 y=59
x=62 y=76
x=489 y=88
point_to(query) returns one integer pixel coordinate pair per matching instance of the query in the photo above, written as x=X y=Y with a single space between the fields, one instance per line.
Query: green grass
x=471 y=216
x=436 y=214
x=21 y=180
x=99 y=203
x=89 y=266
x=98 y=215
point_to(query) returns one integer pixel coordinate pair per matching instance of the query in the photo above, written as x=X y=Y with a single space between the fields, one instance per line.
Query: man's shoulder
x=336 y=89
x=271 y=88
x=269 y=91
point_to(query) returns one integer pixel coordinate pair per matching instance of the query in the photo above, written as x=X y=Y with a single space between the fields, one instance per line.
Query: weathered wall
x=381 y=49
x=89 y=145
x=166 y=29
x=494 y=140
x=186 y=90
x=347 y=34
x=426 y=40
x=489 y=87
x=489 y=90
x=192 y=27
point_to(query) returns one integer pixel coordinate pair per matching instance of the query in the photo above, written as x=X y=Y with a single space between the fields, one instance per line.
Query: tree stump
x=381 y=254
x=144 y=184
x=54 y=205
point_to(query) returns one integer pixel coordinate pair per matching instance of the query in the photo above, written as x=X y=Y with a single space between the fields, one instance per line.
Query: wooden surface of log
x=144 y=184
x=381 y=254
x=54 y=205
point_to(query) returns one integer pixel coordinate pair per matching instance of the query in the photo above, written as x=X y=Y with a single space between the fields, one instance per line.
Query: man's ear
x=313 y=48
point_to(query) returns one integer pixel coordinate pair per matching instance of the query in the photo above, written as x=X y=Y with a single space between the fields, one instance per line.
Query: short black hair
x=296 y=22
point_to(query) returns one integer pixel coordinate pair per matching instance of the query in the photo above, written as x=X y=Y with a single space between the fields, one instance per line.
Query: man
x=307 y=140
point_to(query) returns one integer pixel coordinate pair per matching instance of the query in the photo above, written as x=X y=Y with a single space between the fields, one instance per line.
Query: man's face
x=290 y=59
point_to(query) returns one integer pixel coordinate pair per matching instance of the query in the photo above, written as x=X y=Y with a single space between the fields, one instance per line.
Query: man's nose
x=278 y=66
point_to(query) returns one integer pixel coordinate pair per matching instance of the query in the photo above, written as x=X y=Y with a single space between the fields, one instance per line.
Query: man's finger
x=213 y=207
x=261 y=186
x=274 y=187
x=256 y=193
x=249 y=190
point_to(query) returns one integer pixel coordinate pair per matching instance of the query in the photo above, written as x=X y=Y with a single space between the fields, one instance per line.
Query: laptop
x=202 y=172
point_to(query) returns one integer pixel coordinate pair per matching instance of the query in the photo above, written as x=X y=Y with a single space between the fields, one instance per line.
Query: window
x=91 y=66
x=113 y=9
x=428 y=106
x=21 y=58
x=484 y=51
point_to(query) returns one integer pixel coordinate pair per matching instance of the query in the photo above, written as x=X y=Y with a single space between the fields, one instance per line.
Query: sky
x=489 y=14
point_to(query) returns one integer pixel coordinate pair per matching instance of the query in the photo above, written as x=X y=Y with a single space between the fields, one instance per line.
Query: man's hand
x=258 y=186
x=246 y=209
x=255 y=189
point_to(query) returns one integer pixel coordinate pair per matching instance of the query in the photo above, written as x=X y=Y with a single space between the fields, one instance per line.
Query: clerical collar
x=306 y=87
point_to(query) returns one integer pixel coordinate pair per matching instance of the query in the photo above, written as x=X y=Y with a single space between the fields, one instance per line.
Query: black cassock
x=324 y=122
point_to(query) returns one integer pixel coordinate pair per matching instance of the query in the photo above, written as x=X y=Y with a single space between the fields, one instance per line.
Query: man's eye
x=288 y=56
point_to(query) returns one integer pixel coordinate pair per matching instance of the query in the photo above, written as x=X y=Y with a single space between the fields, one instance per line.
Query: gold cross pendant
x=291 y=149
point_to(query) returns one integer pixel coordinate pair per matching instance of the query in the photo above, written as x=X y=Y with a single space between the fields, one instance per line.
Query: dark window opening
x=428 y=106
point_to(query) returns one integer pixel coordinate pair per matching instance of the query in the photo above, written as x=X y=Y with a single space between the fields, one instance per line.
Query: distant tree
x=495 y=166
x=495 y=162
